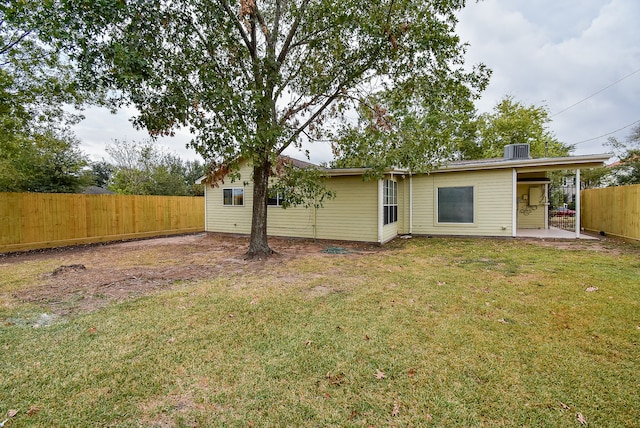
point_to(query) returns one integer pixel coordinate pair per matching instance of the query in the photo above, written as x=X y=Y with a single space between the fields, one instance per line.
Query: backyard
x=183 y=331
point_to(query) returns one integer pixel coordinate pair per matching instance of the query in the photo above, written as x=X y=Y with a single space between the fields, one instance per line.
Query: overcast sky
x=546 y=52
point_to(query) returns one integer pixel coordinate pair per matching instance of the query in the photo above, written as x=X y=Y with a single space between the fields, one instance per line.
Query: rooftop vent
x=516 y=151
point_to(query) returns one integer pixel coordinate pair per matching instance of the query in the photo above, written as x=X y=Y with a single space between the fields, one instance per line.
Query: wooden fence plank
x=44 y=220
x=613 y=210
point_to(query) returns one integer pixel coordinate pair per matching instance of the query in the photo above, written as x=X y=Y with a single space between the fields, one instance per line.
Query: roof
x=535 y=164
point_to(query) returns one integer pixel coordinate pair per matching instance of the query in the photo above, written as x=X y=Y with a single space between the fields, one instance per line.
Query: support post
x=578 y=208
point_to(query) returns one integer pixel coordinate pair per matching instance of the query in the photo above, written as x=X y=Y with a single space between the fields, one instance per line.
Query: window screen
x=232 y=196
x=455 y=204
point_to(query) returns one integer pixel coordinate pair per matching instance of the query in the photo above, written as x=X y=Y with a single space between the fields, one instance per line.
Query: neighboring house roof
x=95 y=190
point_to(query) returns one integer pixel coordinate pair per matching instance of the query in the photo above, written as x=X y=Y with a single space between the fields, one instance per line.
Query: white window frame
x=233 y=197
x=279 y=199
x=389 y=202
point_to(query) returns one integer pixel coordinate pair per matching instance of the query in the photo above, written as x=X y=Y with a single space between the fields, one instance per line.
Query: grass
x=429 y=332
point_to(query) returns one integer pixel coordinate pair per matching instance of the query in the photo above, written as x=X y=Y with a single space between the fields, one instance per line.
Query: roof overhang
x=529 y=165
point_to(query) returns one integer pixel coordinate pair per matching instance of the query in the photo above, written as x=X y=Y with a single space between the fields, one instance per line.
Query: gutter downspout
x=578 y=210
x=380 y=210
x=514 y=203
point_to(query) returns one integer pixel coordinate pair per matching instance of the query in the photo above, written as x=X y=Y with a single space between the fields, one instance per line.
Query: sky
x=579 y=58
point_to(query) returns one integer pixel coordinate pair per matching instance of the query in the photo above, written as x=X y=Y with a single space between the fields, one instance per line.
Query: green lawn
x=425 y=332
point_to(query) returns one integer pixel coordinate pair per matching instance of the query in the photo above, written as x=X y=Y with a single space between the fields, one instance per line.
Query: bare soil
x=87 y=278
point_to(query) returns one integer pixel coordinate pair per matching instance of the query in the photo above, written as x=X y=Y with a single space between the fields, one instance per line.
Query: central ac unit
x=516 y=151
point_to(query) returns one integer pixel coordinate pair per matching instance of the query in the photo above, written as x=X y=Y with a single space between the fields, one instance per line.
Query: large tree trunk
x=258 y=247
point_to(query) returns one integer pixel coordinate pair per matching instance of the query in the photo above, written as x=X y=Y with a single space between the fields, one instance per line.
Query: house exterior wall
x=404 y=206
x=492 y=201
x=352 y=215
x=531 y=206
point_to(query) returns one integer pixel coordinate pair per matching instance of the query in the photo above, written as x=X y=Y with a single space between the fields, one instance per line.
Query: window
x=455 y=204
x=390 y=202
x=231 y=197
x=276 y=198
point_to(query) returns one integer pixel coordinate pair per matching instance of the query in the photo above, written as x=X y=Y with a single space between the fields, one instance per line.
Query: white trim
x=578 y=210
x=206 y=217
x=546 y=206
x=410 y=204
x=380 y=210
x=514 y=202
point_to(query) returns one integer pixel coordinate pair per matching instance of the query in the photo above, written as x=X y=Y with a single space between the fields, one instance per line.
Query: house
x=488 y=197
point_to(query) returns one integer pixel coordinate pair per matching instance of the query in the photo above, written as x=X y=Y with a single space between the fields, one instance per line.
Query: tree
x=49 y=161
x=38 y=153
x=146 y=169
x=252 y=78
x=512 y=122
x=627 y=170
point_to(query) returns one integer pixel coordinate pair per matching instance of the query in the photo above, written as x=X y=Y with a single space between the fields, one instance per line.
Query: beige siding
x=492 y=203
x=353 y=214
x=230 y=219
x=531 y=206
x=403 y=206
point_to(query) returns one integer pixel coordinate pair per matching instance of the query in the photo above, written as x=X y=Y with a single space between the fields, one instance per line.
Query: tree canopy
x=512 y=122
x=627 y=169
x=142 y=168
x=38 y=153
x=385 y=80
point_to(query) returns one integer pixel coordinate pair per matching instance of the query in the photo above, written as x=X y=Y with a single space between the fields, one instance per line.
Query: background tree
x=512 y=122
x=252 y=78
x=48 y=161
x=627 y=169
x=37 y=151
x=146 y=169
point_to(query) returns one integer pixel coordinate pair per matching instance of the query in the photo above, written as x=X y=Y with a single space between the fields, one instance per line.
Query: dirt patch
x=602 y=245
x=90 y=277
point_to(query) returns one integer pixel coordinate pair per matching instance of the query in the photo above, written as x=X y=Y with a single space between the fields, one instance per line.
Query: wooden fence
x=43 y=220
x=613 y=210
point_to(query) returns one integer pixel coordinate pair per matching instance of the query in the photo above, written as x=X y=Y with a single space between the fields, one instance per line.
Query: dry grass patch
x=426 y=332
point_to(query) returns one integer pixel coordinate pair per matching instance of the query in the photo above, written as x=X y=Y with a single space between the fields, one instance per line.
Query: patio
x=551 y=233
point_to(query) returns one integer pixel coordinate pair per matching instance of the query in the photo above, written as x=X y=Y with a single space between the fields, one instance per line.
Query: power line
x=605 y=135
x=596 y=93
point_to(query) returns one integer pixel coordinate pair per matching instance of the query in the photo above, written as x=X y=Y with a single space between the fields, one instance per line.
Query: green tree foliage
x=37 y=152
x=48 y=161
x=627 y=170
x=145 y=169
x=250 y=78
x=511 y=122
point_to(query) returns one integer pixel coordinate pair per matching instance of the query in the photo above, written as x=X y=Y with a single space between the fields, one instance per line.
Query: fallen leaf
x=396 y=410
x=411 y=372
x=581 y=418
x=591 y=289
x=502 y=320
x=308 y=342
x=564 y=406
x=442 y=283
x=32 y=410
x=92 y=330
x=171 y=340
x=429 y=417
x=366 y=337
x=12 y=412
x=380 y=375
x=354 y=413
x=327 y=395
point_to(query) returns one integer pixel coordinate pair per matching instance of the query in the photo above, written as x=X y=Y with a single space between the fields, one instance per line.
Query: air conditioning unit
x=516 y=151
